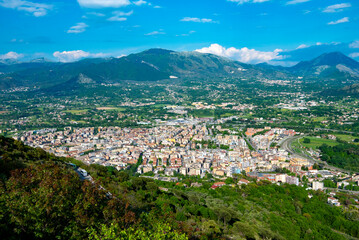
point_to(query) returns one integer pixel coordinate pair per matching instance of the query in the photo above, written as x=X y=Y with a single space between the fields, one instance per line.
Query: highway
x=286 y=145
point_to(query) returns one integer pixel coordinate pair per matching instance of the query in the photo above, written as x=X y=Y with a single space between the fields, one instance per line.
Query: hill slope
x=42 y=197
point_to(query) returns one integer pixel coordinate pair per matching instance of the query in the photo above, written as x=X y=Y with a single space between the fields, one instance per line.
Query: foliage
x=42 y=197
x=344 y=155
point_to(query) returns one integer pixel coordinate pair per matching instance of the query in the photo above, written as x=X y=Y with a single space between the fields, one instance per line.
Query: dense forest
x=42 y=197
x=344 y=155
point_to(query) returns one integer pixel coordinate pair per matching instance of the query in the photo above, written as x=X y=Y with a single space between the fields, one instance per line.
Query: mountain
x=161 y=64
x=150 y=65
x=333 y=65
x=307 y=52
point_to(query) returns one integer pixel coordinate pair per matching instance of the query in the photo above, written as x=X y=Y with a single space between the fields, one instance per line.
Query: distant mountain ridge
x=328 y=65
x=159 y=64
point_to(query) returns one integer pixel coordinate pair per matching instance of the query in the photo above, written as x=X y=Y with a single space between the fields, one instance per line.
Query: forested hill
x=42 y=197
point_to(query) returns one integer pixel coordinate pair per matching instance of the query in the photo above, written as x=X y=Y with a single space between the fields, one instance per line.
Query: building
x=317 y=185
x=333 y=201
x=281 y=178
x=243 y=181
x=292 y=180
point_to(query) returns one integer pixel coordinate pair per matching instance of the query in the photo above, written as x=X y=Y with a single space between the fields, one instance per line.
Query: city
x=179 y=120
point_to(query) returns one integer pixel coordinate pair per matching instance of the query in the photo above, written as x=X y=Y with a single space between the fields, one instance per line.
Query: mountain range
x=160 y=64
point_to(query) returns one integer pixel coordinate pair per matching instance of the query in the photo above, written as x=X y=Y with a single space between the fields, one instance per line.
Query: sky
x=250 y=31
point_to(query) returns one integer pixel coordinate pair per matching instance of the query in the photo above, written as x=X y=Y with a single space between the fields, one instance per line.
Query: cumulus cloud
x=71 y=56
x=11 y=55
x=354 y=55
x=199 y=20
x=78 y=28
x=247 y=1
x=342 y=20
x=337 y=7
x=296 y=2
x=36 y=9
x=103 y=3
x=245 y=55
x=120 y=16
x=354 y=44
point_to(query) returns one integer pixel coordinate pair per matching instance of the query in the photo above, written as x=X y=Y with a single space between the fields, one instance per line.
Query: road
x=343 y=190
x=332 y=130
x=250 y=143
x=286 y=145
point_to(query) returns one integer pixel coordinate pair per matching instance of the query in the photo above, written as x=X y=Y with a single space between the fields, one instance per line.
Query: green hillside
x=42 y=197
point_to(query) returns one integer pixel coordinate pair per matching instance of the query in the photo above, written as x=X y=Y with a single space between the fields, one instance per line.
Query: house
x=217 y=185
x=243 y=181
x=333 y=201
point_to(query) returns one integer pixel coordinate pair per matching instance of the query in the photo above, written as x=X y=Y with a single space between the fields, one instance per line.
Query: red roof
x=219 y=184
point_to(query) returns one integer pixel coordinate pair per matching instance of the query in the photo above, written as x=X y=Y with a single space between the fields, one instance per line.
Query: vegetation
x=344 y=155
x=42 y=197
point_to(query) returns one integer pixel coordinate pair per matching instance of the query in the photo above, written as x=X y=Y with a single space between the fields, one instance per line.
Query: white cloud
x=36 y=9
x=354 y=44
x=342 y=20
x=78 y=28
x=71 y=56
x=336 y=7
x=185 y=34
x=245 y=55
x=301 y=46
x=199 y=20
x=11 y=55
x=354 y=55
x=160 y=32
x=120 y=16
x=139 y=2
x=296 y=2
x=247 y=1
x=14 y=40
x=97 y=14
x=117 y=19
x=103 y=3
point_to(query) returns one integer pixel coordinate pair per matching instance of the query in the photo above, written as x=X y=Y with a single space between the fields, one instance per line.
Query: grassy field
x=317 y=142
x=345 y=137
x=76 y=111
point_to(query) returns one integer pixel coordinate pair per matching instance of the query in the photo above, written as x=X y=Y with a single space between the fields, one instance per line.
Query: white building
x=317 y=185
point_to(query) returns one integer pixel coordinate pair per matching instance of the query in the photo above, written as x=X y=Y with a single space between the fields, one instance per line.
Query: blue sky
x=245 y=30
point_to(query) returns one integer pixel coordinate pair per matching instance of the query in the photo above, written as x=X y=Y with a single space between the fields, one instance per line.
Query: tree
x=229 y=180
x=159 y=231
